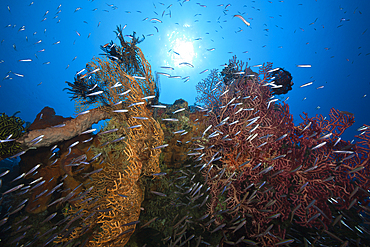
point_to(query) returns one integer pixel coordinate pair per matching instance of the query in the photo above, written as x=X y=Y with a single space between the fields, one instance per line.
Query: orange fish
x=242 y=18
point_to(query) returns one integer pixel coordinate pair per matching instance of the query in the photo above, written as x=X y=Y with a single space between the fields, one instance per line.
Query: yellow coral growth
x=112 y=72
x=80 y=106
x=123 y=195
x=145 y=138
x=117 y=202
x=116 y=186
x=116 y=196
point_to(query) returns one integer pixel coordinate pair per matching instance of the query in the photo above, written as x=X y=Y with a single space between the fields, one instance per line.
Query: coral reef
x=11 y=128
x=127 y=153
x=47 y=118
x=229 y=73
x=109 y=86
x=283 y=80
x=64 y=131
x=233 y=170
x=86 y=91
x=116 y=186
x=262 y=168
x=128 y=55
x=94 y=179
x=174 y=154
x=210 y=89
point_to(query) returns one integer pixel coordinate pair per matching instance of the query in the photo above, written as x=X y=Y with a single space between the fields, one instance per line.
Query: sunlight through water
x=182 y=49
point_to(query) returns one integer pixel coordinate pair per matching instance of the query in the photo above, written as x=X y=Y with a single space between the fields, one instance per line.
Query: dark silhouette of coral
x=284 y=78
x=10 y=128
x=83 y=89
x=126 y=54
x=89 y=88
x=228 y=74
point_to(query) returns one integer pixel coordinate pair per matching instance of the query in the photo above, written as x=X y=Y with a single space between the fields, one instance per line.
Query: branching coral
x=128 y=54
x=229 y=73
x=98 y=85
x=117 y=198
x=83 y=89
x=273 y=172
x=103 y=191
x=128 y=153
x=116 y=187
x=118 y=89
x=10 y=128
x=209 y=89
x=283 y=79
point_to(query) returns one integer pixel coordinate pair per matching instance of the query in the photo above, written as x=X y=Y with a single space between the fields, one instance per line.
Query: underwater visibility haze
x=184 y=123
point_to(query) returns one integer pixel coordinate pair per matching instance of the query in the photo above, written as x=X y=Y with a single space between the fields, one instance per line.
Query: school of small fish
x=194 y=195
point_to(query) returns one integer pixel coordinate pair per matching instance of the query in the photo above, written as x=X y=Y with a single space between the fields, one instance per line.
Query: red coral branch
x=276 y=171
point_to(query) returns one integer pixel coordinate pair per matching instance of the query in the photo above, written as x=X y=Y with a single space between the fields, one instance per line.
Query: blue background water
x=330 y=35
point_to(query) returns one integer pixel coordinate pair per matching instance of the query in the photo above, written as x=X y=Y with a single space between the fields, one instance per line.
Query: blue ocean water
x=332 y=36
x=45 y=43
